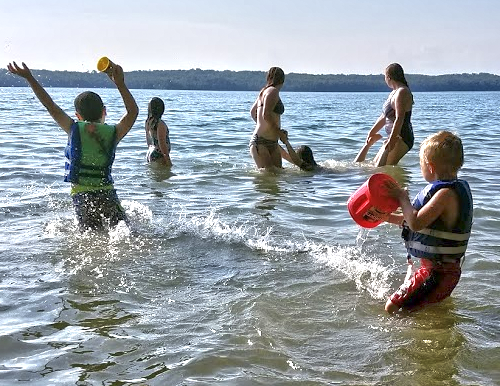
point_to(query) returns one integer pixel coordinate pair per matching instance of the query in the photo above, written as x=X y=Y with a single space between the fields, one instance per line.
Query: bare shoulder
x=271 y=95
x=162 y=126
x=403 y=92
x=404 y=98
x=446 y=194
x=271 y=92
x=449 y=200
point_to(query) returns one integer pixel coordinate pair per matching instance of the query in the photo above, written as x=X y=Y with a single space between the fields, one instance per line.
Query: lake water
x=228 y=275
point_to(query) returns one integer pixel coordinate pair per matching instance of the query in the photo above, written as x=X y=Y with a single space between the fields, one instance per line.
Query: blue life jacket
x=434 y=242
x=90 y=154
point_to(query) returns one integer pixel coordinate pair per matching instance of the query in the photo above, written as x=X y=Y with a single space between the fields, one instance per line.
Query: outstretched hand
x=283 y=136
x=394 y=190
x=23 y=72
x=371 y=139
x=116 y=74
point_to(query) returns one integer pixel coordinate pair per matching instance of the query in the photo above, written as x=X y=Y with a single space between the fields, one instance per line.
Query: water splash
x=368 y=274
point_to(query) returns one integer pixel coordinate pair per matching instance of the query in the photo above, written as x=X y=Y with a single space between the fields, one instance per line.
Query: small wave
x=369 y=275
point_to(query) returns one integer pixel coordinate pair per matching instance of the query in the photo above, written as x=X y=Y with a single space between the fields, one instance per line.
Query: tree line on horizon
x=197 y=79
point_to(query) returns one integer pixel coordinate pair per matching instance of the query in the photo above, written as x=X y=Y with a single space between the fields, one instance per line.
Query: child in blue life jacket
x=436 y=225
x=91 y=148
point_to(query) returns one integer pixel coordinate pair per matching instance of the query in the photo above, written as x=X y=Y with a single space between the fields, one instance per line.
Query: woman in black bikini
x=396 y=117
x=266 y=112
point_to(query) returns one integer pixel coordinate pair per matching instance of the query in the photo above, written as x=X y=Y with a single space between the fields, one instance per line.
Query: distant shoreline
x=211 y=80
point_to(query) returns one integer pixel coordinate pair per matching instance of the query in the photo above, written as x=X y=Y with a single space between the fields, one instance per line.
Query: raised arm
x=290 y=155
x=128 y=120
x=368 y=144
x=61 y=118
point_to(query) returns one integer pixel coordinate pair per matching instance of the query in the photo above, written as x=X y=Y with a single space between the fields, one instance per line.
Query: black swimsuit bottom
x=269 y=144
x=407 y=131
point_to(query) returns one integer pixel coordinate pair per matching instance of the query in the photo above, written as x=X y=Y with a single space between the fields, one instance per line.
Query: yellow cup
x=105 y=65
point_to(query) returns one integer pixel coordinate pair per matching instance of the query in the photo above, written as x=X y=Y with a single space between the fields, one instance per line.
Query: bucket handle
x=362 y=209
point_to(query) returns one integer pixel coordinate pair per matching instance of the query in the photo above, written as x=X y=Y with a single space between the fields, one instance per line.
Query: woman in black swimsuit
x=266 y=112
x=396 y=117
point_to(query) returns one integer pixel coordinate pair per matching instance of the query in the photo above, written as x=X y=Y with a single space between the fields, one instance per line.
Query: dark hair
x=306 y=155
x=156 y=107
x=89 y=105
x=395 y=72
x=275 y=77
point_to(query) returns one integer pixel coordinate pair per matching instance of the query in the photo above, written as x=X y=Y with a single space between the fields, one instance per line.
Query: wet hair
x=89 y=105
x=395 y=72
x=444 y=149
x=306 y=155
x=156 y=107
x=275 y=77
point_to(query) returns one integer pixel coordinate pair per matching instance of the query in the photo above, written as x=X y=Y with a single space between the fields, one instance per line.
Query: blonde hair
x=444 y=149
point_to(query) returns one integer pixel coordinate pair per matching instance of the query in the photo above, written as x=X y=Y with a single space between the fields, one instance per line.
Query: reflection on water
x=401 y=174
x=267 y=183
x=158 y=172
x=433 y=341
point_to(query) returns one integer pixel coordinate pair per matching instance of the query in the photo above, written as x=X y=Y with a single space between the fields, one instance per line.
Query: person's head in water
x=306 y=155
x=89 y=107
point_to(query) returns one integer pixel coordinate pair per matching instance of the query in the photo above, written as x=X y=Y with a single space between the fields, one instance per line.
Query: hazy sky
x=306 y=36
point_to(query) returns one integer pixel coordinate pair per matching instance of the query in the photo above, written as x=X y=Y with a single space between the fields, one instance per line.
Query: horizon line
x=261 y=71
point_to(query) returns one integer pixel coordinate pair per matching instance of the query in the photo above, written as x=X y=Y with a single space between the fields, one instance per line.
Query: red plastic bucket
x=371 y=201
